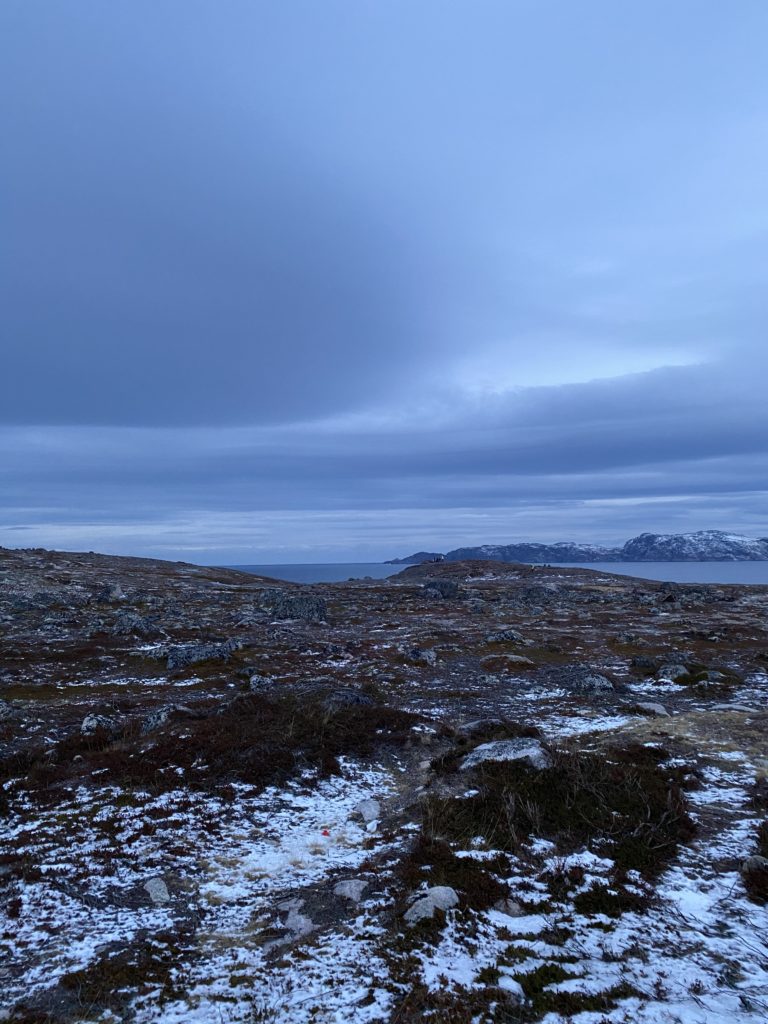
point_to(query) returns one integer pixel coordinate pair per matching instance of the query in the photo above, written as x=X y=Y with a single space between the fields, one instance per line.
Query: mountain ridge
x=698 y=546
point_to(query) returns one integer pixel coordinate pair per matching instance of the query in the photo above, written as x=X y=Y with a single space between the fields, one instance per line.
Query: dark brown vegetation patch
x=433 y=861
x=625 y=806
x=254 y=739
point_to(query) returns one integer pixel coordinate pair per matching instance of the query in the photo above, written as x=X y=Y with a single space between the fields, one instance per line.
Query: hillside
x=473 y=792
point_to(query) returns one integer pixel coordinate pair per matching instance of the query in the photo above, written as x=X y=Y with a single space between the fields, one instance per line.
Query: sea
x=673 y=572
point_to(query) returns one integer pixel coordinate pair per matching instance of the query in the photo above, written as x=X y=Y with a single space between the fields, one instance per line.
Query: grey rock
x=258 y=683
x=131 y=624
x=580 y=679
x=157 y=891
x=297 y=924
x=351 y=889
x=507 y=636
x=651 y=708
x=510 y=907
x=156 y=719
x=93 y=723
x=521 y=749
x=510 y=660
x=442 y=589
x=181 y=657
x=369 y=810
x=439 y=897
x=754 y=865
x=282 y=605
x=672 y=671
x=422 y=656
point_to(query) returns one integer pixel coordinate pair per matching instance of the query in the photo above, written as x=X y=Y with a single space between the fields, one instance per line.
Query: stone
x=423 y=656
x=507 y=636
x=580 y=679
x=369 y=810
x=523 y=748
x=439 y=897
x=295 y=922
x=181 y=657
x=92 y=724
x=131 y=624
x=651 y=708
x=283 y=605
x=495 y=662
x=258 y=683
x=512 y=908
x=672 y=671
x=351 y=889
x=157 y=891
x=155 y=719
x=444 y=589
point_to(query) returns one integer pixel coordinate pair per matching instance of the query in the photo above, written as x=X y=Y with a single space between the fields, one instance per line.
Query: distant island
x=702 y=546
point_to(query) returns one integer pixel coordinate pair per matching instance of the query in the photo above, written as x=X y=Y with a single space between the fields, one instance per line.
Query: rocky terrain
x=471 y=792
x=702 y=546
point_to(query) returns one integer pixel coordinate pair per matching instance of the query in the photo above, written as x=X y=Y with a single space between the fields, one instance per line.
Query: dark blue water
x=677 y=572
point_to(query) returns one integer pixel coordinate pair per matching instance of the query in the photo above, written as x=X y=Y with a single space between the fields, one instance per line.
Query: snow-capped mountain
x=701 y=546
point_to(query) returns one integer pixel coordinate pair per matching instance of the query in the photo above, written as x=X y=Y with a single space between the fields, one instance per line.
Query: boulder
x=351 y=889
x=157 y=891
x=523 y=748
x=507 y=636
x=580 y=679
x=369 y=810
x=422 y=656
x=439 y=897
x=441 y=589
x=672 y=671
x=651 y=708
x=282 y=605
x=181 y=657
x=93 y=724
x=131 y=624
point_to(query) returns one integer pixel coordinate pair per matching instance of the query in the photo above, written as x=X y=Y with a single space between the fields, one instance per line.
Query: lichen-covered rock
x=523 y=748
x=507 y=636
x=93 y=724
x=283 y=605
x=181 y=657
x=439 y=897
x=672 y=671
x=130 y=624
x=580 y=679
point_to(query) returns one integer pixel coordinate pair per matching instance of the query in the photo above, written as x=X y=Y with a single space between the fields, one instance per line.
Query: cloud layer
x=346 y=280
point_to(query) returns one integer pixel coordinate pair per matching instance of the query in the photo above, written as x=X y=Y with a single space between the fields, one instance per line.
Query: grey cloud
x=367 y=260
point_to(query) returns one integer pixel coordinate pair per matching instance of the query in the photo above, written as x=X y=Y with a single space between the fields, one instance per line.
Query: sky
x=342 y=280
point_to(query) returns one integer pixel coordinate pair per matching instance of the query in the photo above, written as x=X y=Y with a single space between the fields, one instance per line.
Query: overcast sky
x=341 y=280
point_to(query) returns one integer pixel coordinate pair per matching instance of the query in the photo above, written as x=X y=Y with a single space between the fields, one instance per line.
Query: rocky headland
x=472 y=792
